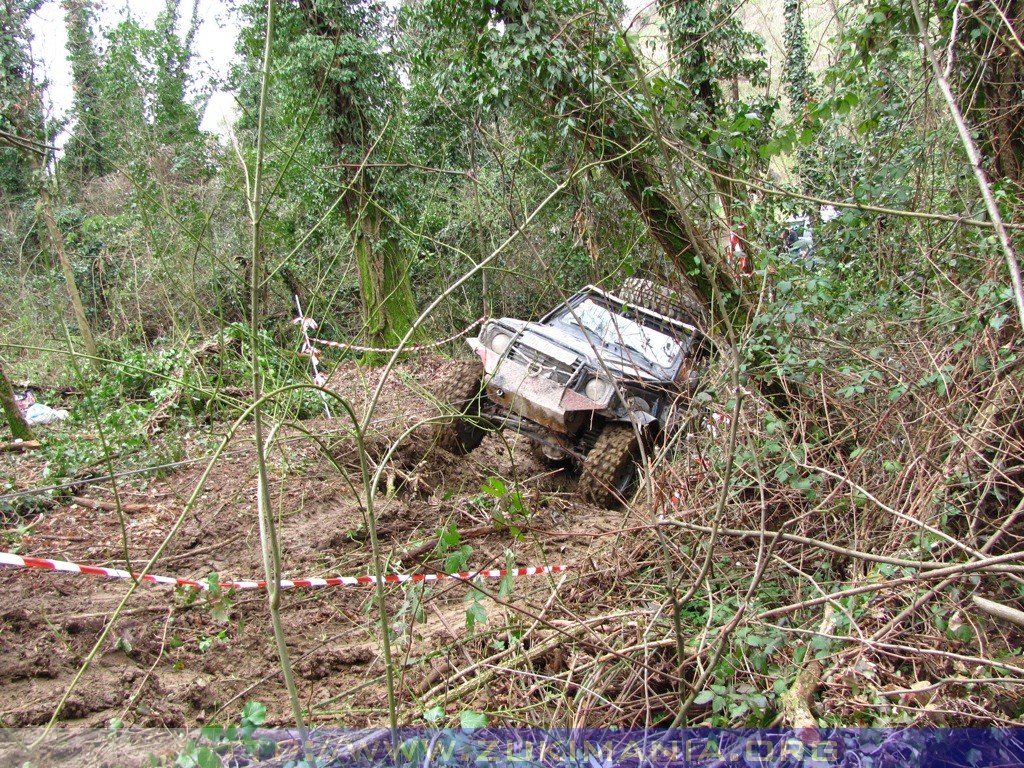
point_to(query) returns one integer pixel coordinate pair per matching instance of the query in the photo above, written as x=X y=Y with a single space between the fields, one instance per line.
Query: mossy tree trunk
x=387 y=302
x=358 y=74
x=15 y=419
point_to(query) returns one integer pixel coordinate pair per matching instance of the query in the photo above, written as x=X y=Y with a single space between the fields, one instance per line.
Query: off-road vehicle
x=587 y=382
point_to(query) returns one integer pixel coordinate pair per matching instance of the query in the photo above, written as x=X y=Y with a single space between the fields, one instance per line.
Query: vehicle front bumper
x=526 y=392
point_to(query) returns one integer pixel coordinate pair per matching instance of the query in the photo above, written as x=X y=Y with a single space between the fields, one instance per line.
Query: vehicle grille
x=545 y=365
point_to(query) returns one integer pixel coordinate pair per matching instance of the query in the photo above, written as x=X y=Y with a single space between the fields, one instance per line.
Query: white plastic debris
x=37 y=413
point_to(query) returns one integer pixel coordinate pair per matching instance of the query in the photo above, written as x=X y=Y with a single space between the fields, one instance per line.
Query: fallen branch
x=110 y=506
x=962 y=568
x=796 y=702
x=19 y=446
x=1004 y=612
x=924 y=565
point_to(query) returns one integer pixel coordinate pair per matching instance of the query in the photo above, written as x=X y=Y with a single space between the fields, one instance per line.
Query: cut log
x=20 y=445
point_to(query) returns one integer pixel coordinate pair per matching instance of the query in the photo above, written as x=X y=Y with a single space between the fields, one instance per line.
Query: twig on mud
x=159 y=656
x=221 y=545
x=125 y=612
x=110 y=506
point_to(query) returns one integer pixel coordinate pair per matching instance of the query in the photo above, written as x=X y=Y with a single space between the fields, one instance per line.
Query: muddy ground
x=595 y=646
x=171 y=661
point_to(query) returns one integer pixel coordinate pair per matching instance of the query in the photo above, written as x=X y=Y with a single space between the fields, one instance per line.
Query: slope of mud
x=172 y=661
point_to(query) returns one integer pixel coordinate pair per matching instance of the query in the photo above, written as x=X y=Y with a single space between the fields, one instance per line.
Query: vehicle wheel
x=460 y=391
x=610 y=470
x=680 y=305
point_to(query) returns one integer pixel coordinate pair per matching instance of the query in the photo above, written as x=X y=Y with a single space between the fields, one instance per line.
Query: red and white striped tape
x=337 y=581
x=418 y=348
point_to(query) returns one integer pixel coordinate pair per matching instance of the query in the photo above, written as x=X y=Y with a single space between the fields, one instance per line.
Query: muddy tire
x=682 y=305
x=460 y=392
x=610 y=470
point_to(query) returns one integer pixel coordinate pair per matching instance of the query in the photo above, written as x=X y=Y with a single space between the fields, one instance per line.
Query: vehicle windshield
x=607 y=327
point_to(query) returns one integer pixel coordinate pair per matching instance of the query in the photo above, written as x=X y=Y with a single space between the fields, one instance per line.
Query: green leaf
x=769 y=150
x=704 y=697
x=494 y=486
x=475 y=614
x=434 y=714
x=450 y=536
x=212 y=732
x=254 y=713
x=469 y=720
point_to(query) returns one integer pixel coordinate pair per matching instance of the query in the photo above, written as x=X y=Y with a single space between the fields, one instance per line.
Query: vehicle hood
x=568 y=347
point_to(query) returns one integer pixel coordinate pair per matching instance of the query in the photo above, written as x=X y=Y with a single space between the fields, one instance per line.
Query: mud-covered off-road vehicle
x=589 y=383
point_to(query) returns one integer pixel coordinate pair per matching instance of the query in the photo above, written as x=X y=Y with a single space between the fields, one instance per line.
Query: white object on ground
x=37 y=413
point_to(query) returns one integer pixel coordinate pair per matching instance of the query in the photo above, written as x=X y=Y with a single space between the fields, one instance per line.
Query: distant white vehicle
x=797 y=237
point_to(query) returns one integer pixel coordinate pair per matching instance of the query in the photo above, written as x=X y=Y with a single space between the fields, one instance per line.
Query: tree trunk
x=678 y=235
x=387 y=302
x=998 y=85
x=15 y=419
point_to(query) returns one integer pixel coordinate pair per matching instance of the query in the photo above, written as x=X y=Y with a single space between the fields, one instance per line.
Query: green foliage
x=85 y=151
x=218 y=745
x=507 y=507
x=21 y=121
x=138 y=103
x=456 y=553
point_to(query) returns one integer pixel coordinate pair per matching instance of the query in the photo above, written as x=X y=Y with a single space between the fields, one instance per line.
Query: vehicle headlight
x=598 y=390
x=499 y=342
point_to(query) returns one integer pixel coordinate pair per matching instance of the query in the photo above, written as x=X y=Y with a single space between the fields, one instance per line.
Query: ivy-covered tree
x=335 y=96
x=85 y=153
x=22 y=130
x=21 y=121
x=989 y=59
x=799 y=89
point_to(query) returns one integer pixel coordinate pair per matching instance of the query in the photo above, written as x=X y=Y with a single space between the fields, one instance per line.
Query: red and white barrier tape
x=313 y=351
x=307 y=324
x=337 y=581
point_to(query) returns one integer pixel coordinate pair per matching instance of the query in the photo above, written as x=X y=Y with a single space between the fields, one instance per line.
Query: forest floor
x=172 y=661
x=597 y=645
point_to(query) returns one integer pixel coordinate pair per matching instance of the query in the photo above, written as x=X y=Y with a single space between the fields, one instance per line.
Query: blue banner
x=598 y=748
